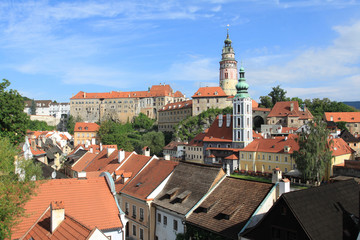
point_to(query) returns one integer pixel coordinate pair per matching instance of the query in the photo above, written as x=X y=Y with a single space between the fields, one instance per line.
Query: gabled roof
x=228 y=208
x=219 y=134
x=343 y=116
x=348 y=137
x=103 y=162
x=209 y=92
x=69 y=228
x=274 y=145
x=283 y=109
x=90 y=201
x=340 y=147
x=319 y=209
x=173 y=145
x=83 y=161
x=176 y=106
x=187 y=185
x=44 y=103
x=86 y=127
x=149 y=178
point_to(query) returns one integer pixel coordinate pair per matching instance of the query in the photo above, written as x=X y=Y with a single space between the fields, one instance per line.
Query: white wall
x=115 y=235
x=167 y=232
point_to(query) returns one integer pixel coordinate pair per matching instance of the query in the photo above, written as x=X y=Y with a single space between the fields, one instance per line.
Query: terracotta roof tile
x=149 y=178
x=86 y=127
x=83 y=161
x=219 y=134
x=283 y=109
x=232 y=157
x=173 y=145
x=209 y=92
x=90 y=201
x=274 y=145
x=340 y=147
x=69 y=228
x=176 y=105
x=353 y=117
x=236 y=198
x=197 y=141
x=133 y=165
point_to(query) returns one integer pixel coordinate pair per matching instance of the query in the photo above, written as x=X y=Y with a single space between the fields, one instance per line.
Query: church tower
x=242 y=113
x=228 y=68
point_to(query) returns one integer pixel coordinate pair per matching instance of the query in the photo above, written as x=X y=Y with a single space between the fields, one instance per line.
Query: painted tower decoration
x=242 y=113
x=228 y=68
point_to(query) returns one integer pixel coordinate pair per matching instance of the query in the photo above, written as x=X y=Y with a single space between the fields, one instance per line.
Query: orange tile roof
x=90 y=201
x=173 y=145
x=219 y=134
x=104 y=163
x=232 y=157
x=257 y=135
x=155 y=91
x=133 y=164
x=254 y=104
x=340 y=147
x=342 y=116
x=197 y=141
x=274 y=145
x=282 y=109
x=69 y=228
x=261 y=109
x=86 y=127
x=176 y=106
x=149 y=178
x=209 y=92
x=83 y=161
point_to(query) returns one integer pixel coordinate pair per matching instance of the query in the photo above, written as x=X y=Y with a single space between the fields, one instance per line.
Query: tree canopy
x=13 y=119
x=36 y=125
x=314 y=155
x=70 y=125
x=15 y=189
x=142 y=122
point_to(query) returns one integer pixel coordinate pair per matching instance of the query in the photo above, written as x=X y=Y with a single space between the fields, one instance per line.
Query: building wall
x=166 y=231
x=354 y=128
x=120 y=109
x=337 y=160
x=202 y=104
x=287 y=121
x=168 y=119
x=82 y=137
x=50 y=120
x=113 y=235
x=194 y=154
x=265 y=162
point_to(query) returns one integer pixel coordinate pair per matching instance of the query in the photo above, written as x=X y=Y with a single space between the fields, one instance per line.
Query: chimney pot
x=57 y=214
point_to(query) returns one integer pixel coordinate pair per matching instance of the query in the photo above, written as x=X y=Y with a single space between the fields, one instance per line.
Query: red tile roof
x=254 y=104
x=343 y=116
x=88 y=200
x=219 y=134
x=232 y=157
x=155 y=91
x=83 y=161
x=340 y=147
x=149 y=178
x=261 y=109
x=132 y=165
x=69 y=228
x=176 y=106
x=209 y=92
x=86 y=127
x=274 y=145
x=173 y=145
x=283 y=109
x=197 y=141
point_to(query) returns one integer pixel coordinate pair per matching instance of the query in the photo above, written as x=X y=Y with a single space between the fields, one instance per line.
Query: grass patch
x=251 y=178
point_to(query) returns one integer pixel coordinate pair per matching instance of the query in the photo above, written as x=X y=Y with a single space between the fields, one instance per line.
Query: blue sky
x=54 y=49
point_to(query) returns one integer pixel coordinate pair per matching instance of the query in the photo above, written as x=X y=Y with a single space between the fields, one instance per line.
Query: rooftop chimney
x=101 y=147
x=146 y=151
x=291 y=106
x=284 y=186
x=121 y=155
x=81 y=175
x=57 y=214
x=110 y=151
x=167 y=156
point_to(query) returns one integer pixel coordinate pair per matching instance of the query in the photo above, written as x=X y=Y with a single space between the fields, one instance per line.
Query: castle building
x=228 y=68
x=122 y=106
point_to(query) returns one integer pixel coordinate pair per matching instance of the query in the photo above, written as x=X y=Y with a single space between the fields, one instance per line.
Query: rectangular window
x=269 y=158
x=141 y=234
x=285 y=159
x=134 y=230
x=159 y=218
x=165 y=220
x=134 y=211
x=175 y=225
x=126 y=208
x=277 y=158
x=141 y=214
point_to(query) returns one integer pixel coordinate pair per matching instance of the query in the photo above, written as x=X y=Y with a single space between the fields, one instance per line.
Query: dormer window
x=80 y=128
x=86 y=128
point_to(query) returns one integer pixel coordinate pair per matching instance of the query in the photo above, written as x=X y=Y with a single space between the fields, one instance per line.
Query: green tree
x=15 y=190
x=277 y=94
x=143 y=122
x=342 y=125
x=70 y=125
x=13 y=119
x=33 y=107
x=155 y=141
x=265 y=101
x=36 y=125
x=314 y=155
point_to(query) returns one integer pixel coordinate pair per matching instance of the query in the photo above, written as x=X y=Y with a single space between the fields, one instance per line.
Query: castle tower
x=242 y=113
x=228 y=68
